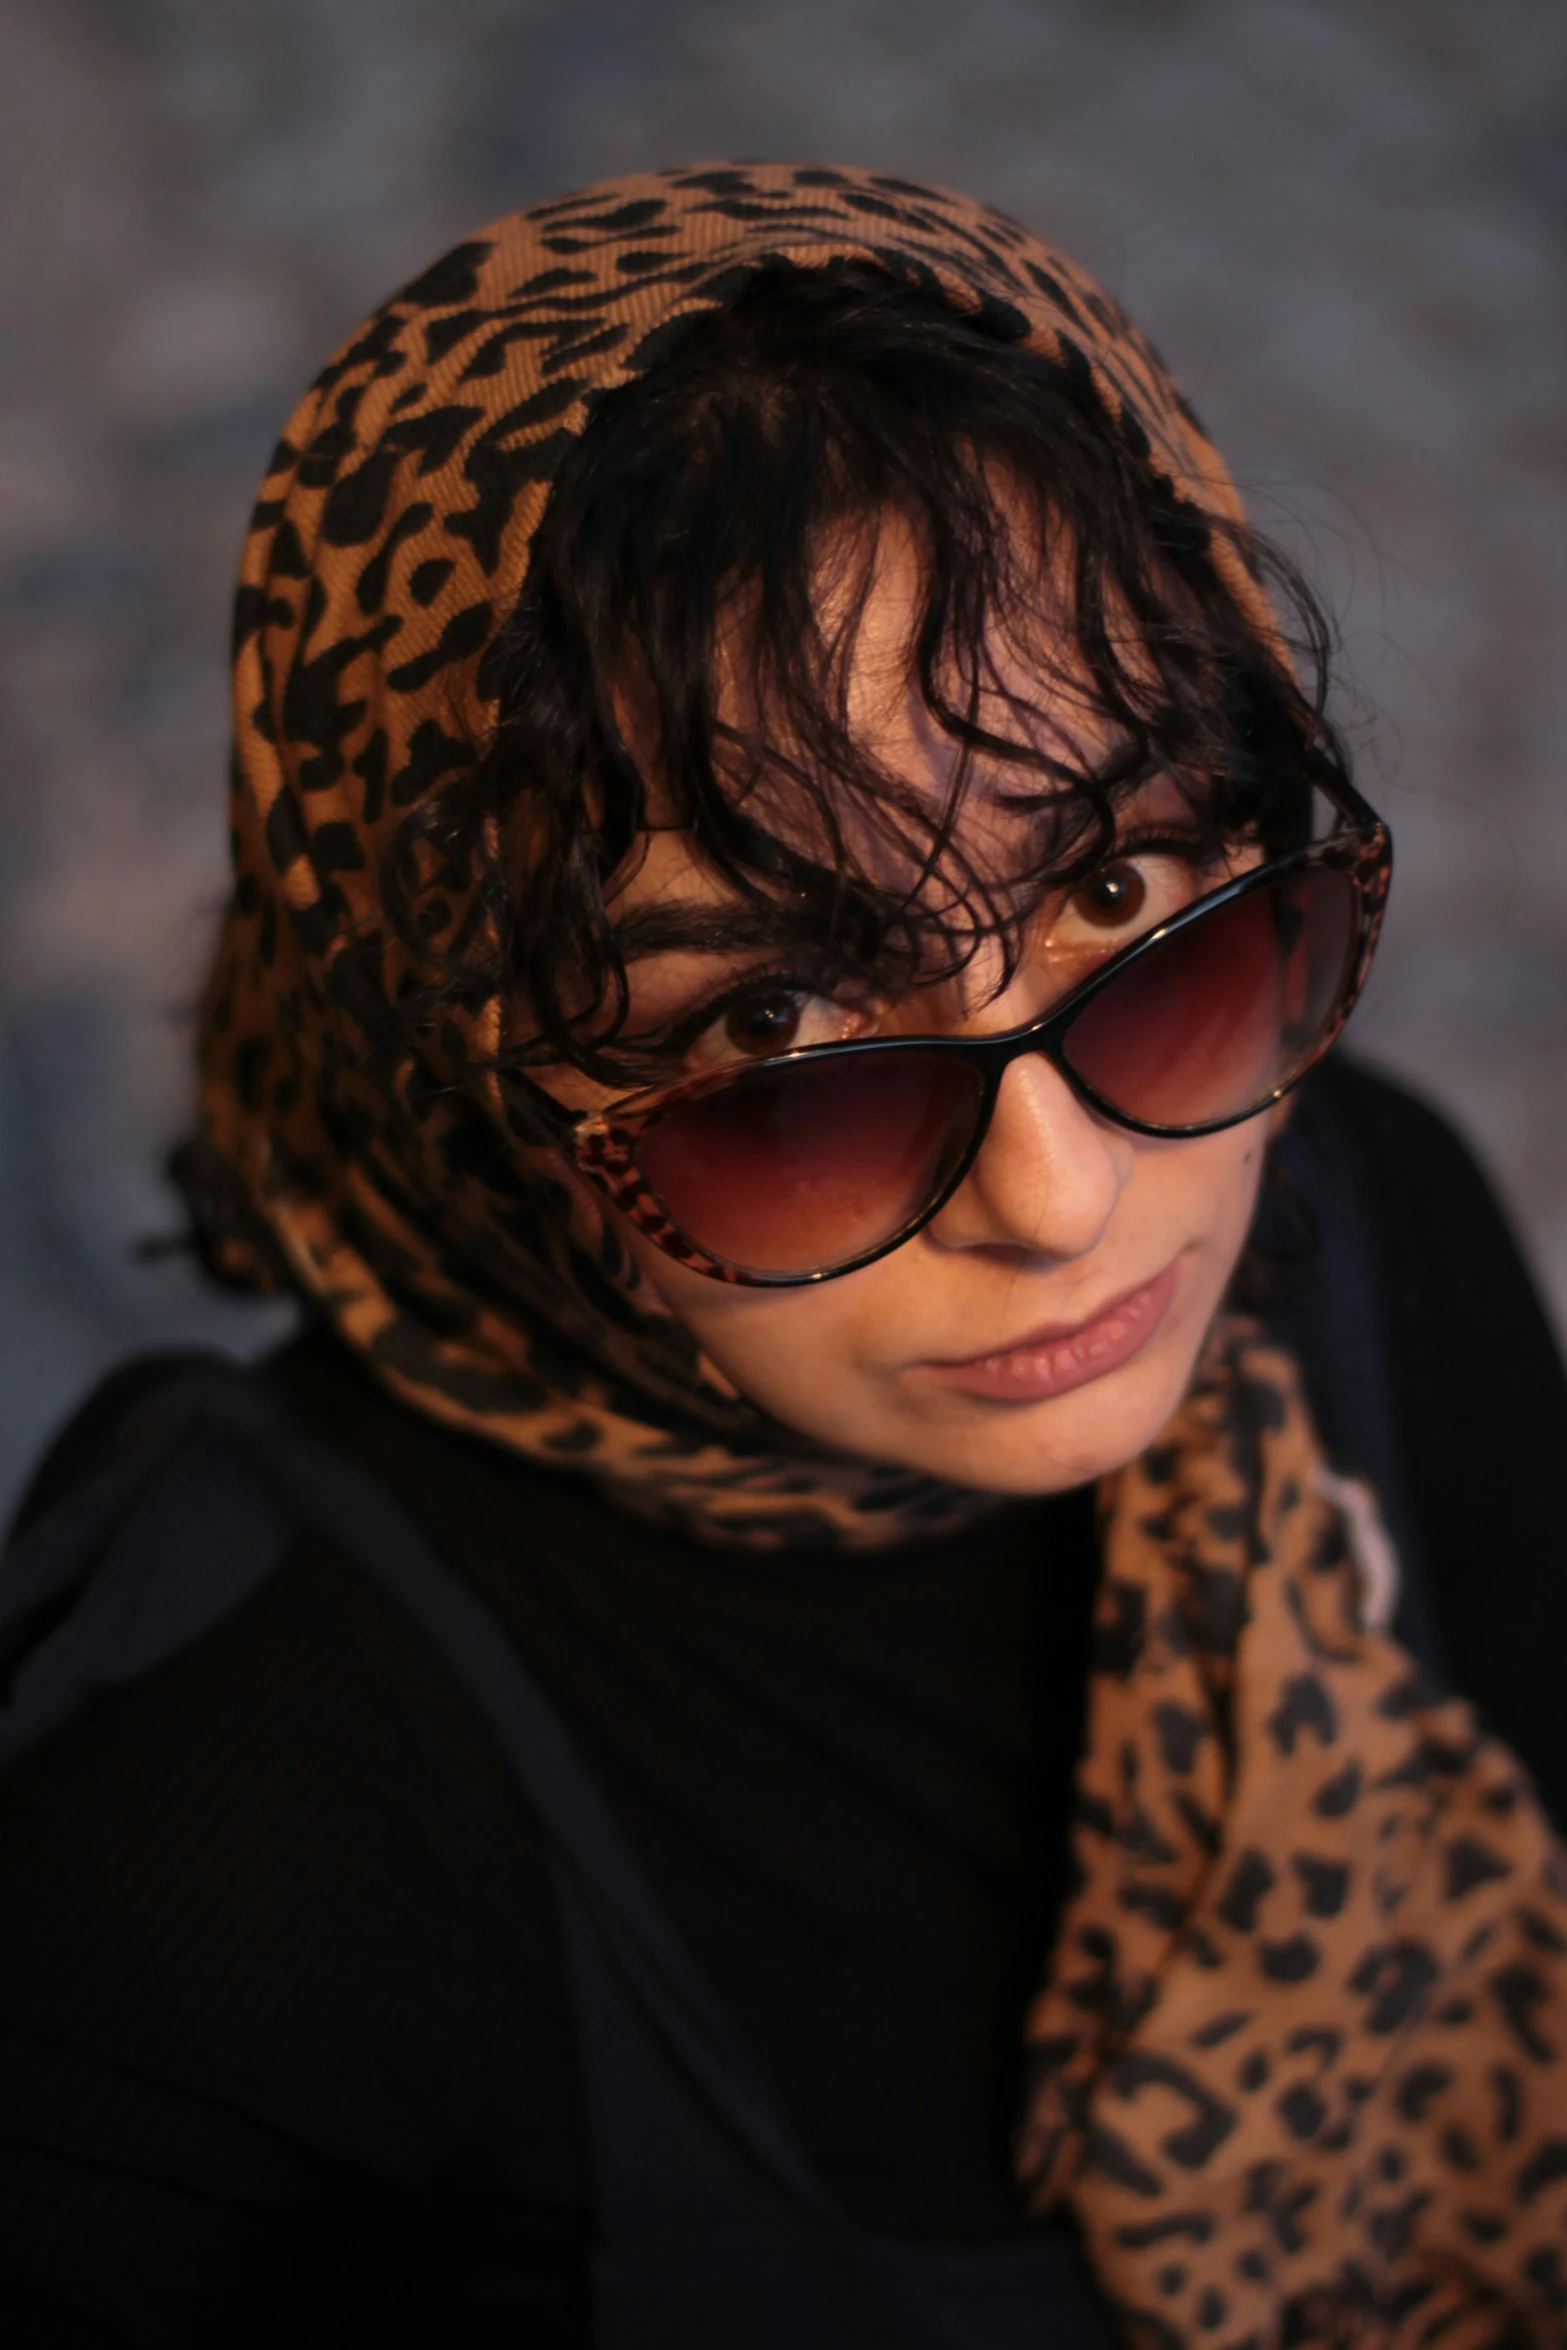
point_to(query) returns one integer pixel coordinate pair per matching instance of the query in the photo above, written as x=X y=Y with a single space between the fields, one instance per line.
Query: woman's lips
x=1052 y=1362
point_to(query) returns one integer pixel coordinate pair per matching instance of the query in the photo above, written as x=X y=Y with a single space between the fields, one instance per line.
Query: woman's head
x=886 y=653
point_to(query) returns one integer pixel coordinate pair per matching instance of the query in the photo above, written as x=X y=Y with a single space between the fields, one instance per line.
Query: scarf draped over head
x=1300 y=2068
x=389 y=544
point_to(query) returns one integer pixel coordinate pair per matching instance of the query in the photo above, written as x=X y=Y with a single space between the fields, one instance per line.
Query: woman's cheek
x=775 y=1345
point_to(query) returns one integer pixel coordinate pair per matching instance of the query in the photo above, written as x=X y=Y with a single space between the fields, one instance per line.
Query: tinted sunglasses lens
x=1211 y=1022
x=805 y=1166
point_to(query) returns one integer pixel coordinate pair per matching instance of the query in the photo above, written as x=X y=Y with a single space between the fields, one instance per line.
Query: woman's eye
x=1125 y=897
x=773 y=1019
x=763 y=1023
x=1113 y=896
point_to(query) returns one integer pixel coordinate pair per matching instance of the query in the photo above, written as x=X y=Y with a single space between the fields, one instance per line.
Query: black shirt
x=285 y=2041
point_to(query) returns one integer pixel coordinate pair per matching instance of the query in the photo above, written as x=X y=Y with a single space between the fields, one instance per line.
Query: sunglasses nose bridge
x=1043 y=1170
x=992 y=1057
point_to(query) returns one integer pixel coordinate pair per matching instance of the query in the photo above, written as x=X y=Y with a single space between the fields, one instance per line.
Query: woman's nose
x=1048 y=1174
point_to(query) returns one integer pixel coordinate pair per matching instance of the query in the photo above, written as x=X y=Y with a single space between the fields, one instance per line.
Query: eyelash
x=1192 y=849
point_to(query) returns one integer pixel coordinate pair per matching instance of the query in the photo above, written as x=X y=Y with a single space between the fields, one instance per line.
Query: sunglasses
x=813 y=1162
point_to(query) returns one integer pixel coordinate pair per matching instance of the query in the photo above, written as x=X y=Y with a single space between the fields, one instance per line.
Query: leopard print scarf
x=1300 y=2054
x=1300 y=2065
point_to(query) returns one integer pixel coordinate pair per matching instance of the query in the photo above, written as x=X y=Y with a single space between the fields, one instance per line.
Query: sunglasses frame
x=603 y=1144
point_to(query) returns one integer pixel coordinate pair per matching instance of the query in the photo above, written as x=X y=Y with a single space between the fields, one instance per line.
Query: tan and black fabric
x=1300 y=2068
x=1301 y=2063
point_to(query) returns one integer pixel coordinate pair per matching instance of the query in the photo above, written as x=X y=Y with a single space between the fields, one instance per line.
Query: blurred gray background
x=1344 y=221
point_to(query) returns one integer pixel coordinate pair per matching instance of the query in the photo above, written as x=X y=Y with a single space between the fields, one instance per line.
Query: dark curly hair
x=705 y=498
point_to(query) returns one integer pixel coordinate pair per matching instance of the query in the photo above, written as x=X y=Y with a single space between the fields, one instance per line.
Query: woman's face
x=1043 y=1326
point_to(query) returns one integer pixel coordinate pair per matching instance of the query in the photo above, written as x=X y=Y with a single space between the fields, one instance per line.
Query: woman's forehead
x=669 y=896
x=1029 y=687
x=871 y=589
x=998 y=821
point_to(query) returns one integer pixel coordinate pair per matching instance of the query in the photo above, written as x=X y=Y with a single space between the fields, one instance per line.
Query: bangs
x=690 y=650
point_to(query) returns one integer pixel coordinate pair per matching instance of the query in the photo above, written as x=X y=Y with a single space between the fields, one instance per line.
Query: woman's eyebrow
x=698 y=929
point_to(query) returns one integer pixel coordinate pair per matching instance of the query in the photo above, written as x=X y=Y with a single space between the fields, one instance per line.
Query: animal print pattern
x=1300 y=2066
x=404 y=1192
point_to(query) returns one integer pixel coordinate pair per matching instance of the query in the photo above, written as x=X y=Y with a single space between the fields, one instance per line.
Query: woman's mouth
x=1054 y=1361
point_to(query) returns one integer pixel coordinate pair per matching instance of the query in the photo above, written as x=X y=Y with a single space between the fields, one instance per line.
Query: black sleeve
x=1480 y=1399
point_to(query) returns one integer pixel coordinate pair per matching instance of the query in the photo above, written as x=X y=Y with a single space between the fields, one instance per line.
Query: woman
x=778 y=1727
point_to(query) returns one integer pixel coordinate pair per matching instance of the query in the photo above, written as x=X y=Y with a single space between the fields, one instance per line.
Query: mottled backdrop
x=1345 y=221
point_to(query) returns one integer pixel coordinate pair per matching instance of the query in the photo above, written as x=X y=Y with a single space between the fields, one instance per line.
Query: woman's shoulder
x=1475 y=1389
x=186 y=1661
x=96 y=1429
x=162 y=1565
x=168 y=1636
x=1412 y=1147
x=1473 y=1352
